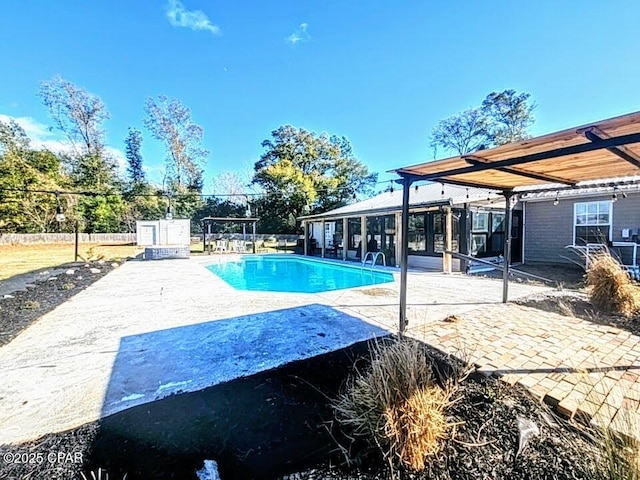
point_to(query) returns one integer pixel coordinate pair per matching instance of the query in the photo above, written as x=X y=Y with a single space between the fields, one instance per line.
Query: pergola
x=603 y=151
x=244 y=221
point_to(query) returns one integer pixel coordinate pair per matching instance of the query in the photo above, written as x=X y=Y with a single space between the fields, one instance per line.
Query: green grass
x=19 y=259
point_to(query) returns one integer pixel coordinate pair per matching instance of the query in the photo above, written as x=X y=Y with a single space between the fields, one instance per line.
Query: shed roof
x=428 y=195
x=598 y=150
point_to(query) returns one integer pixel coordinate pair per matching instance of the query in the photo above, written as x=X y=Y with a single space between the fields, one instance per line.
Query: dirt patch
x=565 y=276
x=280 y=424
x=378 y=292
x=577 y=304
x=26 y=298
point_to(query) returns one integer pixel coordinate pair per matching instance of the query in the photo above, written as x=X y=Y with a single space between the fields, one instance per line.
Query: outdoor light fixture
x=614 y=197
x=442 y=191
x=60 y=214
x=467 y=194
x=169 y=214
x=624 y=194
x=391 y=187
x=557 y=200
x=416 y=188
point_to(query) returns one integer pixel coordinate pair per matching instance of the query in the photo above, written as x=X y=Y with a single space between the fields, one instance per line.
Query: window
x=427 y=233
x=497 y=232
x=480 y=222
x=497 y=222
x=478 y=244
x=592 y=222
x=417 y=235
x=355 y=233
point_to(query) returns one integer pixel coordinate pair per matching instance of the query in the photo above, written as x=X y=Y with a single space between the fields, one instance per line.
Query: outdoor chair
x=221 y=246
x=282 y=245
x=238 y=246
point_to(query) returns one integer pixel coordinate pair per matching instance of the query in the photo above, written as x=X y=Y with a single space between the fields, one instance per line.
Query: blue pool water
x=293 y=274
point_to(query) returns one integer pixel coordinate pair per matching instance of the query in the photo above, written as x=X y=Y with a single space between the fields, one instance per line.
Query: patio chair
x=282 y=245
x=238 y=246
x=221 y=246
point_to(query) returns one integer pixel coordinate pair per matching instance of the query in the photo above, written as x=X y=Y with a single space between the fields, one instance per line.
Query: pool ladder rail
x=374 y=259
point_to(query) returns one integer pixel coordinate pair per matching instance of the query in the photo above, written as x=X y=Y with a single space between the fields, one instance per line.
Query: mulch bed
x=280 y=424
x=19 y=309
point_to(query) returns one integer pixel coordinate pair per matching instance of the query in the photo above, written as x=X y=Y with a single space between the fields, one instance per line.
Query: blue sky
x=381 y=73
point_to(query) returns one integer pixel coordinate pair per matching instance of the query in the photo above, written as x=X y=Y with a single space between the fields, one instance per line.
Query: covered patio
x=599 y=153
x=209 y=222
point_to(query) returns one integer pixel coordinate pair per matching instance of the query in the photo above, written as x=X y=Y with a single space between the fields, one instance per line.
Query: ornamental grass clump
x=396 y=406
x=610 y=288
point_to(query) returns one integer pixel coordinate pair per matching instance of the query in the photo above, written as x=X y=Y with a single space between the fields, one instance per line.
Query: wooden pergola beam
x=595 y=135
x=475 y=160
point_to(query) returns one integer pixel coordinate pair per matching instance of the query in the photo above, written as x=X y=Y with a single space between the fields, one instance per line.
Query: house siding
x=549 y=228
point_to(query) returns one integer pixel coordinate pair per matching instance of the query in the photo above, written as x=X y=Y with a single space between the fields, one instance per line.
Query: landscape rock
x=71 y=271
x=94 y=270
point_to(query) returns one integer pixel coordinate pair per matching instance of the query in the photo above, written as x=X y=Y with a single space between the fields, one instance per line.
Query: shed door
x=148 y=235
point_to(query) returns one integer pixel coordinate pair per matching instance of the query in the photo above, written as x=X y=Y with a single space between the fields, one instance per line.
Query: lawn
x=18 y=259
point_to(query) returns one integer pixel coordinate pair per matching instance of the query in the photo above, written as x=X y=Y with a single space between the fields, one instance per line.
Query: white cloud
x=40 y=136
x=32 y=128
x=300 y=35
x=179 y=16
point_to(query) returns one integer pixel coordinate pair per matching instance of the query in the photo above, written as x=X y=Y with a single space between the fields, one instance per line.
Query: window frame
x=597 y=224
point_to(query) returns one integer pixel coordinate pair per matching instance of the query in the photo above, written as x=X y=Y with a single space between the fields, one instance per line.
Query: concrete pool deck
x=152 y=329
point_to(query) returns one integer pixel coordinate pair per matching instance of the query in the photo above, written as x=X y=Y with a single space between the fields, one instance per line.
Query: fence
x=33 y=238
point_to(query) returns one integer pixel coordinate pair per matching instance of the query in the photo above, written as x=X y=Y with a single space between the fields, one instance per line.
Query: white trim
x=575 y=205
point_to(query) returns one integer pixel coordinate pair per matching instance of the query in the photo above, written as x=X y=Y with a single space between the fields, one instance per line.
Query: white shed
x=163 y=232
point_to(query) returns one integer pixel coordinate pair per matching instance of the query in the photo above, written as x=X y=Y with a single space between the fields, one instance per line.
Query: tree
x=509 y=115
x=503 y=117
x=13 y=138
x=80 y=115
x=301 y=172
x=133 y=142
x=231 y=186
x=169 y=121
x=462 y=133
x=22 y=170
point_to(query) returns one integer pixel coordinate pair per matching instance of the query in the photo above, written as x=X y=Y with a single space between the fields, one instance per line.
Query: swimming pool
x=286 y=273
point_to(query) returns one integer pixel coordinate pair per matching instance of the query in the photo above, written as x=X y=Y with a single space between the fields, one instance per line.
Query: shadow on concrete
x=250 y=392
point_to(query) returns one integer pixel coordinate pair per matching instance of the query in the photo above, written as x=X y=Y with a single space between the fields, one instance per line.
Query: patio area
x=94 y=356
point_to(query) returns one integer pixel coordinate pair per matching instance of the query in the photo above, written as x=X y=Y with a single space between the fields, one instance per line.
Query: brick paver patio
x=582 y=369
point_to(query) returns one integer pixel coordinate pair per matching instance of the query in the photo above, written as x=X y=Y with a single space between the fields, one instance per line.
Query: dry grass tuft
x=396 y=406
x=611 y=289
x=416 y=427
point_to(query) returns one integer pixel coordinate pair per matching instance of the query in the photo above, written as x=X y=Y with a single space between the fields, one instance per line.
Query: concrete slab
x=152 y=329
